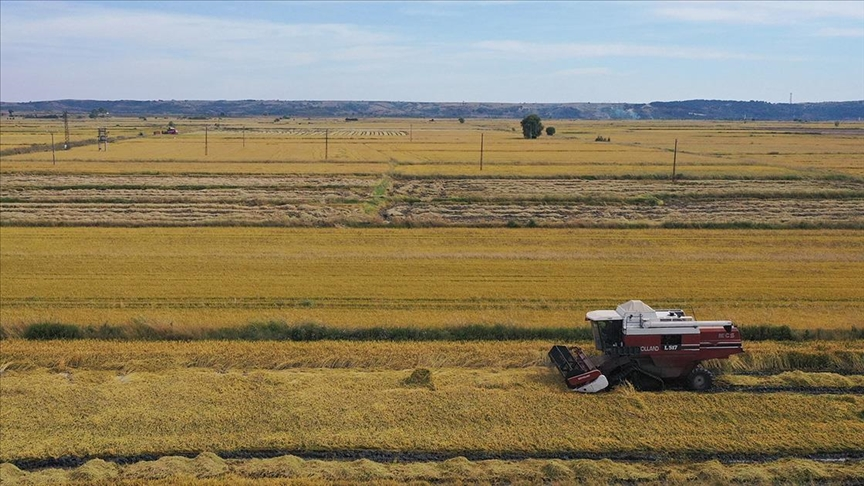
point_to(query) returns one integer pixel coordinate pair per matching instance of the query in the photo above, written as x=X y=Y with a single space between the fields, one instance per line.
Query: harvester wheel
x=700 y=379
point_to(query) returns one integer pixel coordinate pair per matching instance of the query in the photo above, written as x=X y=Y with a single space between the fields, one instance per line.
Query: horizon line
x=428 y=102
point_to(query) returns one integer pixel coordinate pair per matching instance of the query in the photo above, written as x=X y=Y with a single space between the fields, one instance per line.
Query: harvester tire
x=700 y=379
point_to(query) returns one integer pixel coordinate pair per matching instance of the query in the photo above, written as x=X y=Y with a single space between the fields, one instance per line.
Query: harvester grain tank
x=649 y=348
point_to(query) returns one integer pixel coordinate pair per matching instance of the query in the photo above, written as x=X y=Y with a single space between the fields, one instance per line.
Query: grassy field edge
x=302 y=332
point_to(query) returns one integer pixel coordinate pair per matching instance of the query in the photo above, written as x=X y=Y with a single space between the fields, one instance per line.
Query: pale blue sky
x=433 y=51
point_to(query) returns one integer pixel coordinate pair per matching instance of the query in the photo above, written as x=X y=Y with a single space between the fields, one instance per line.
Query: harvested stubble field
x=762 y=360
x=486 y=401
x=210 y=469
x=609 y=190
x=191 y=280
x=126 y=200
x=321 y=200
x=90 y=413
x=643 y=149
x=23 y=133
x=742 y=212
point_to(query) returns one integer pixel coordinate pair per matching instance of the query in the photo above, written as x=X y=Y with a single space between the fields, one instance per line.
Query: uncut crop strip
x=195 y=278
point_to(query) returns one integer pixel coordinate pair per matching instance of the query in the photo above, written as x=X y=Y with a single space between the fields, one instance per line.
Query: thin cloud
x=430 y=9
x=759 y=13
x=585 y=71
x=839 y=32
x=200 y=55
x=359 y=50
x=143 y=33
x=554 y=51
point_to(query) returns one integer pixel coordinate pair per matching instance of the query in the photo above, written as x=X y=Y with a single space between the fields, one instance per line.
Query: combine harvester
x=649 y=348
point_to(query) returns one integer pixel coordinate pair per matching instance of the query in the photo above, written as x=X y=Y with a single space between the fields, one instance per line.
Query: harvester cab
x=649 y=348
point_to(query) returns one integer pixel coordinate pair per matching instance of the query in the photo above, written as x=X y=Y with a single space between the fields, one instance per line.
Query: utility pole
x=481 y=150
x=326 y=143
x=674 y=160
x=791 y=108
x=411 y=132
x=66 y=145
x=102 y=141
x=206 y=142
x=244 y=137
x=53 y=157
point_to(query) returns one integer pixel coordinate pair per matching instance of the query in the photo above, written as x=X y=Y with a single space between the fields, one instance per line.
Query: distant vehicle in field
x=170 y=131
x=649 y=348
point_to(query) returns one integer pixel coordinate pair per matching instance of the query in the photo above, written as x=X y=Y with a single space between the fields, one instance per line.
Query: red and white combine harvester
x=649 y=348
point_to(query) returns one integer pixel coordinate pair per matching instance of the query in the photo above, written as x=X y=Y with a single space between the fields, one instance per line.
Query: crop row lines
x=357 y=302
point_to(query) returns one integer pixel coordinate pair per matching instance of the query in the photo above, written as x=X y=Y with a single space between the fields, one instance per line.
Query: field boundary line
x=390 y=456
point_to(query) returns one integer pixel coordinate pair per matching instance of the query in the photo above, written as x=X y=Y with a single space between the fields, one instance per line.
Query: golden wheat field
x=393 y=224
x=762 y=360
x=444 y=147
x=190 y=279
x=487 y=400
x=145 y=398
x=85 y=413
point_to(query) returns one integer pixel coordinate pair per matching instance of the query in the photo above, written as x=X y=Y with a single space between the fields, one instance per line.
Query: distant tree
x=550 y=131
x=10 y=113
x=98 y=112
x=461 y=120
x=171 y=124
x=532 y=127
